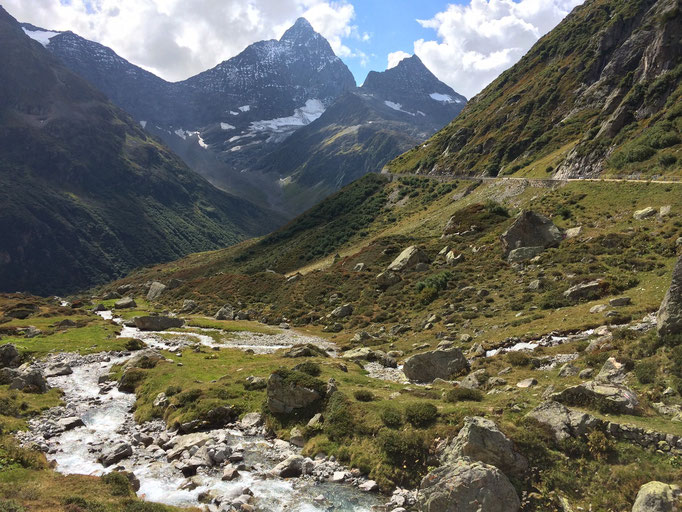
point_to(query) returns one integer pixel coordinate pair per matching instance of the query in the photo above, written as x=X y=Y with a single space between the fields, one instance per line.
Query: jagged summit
x=300 y=31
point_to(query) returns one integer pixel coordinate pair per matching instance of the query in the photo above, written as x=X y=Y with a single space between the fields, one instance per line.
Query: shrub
x=496 y=208
x=173 y=390
x=131 y=379
x=134 y=344
x=10 y=506
x=392 y=417
x=339 y=423
x=312 y=369
x=421 y=414
x=598 y=445
x=187 y=397
x=403 y=448
x=428 y=295
x=363 y=395
x=463 y=395
x=667 y=160
x=118 y=483
x=518 y=358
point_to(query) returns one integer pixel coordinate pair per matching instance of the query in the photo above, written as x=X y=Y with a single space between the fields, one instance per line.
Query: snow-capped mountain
x=231 y=123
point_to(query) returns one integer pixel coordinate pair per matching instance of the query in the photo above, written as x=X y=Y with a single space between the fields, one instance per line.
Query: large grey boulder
x=657 y=497
x=467 y=486
x=157 y=323
x=562 y=421
x=180 y=444
x=670 y=312
x=524 y=254
x=155 y=290
x=409 y=259
x=125 y=303
x=146 y=359
x=29 y=381
x=287 y=395
x=227 y=312
x=290 y=467
x=613 y=372
x=531 y=229
x=9 y=356
x=58 y=370
x=481 y=440
x=342 y=311
x=583 y=290
x=436 y=364
x=607 y=398
x=115 y=453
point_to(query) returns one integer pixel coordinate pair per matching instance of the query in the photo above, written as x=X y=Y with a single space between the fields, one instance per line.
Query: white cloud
x=394 y=58
x=179 y=38
x=477 y=41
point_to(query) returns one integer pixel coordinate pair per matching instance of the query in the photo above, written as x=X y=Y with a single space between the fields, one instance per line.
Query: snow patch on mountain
x=143 y=124
x=245 y=108
x=226 y=126
x=444 y=98
x=303 y=116
x=42 y=36
x=397 y=106
x=181 y=133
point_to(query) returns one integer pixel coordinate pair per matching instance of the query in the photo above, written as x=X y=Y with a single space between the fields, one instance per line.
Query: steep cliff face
x=600 y=94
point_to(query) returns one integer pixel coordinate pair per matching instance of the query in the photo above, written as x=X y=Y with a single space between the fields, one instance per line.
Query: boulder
x=125 y=303
x=9 y=356
x=307 y=350
x=296 y=437
x=28 y=381
x=670 y=312
x=531 y=230
x=583 y=290
x=157 y=323
x=230 y=473
x=251 y=420
x=467 y=486
x=58 y=370
x=474 y=380
x=254 y=383
x=562 y=421
x=155 y=290
x=408 y=259
x=114 y=454
x=619 y=302
x=481 y=440
x=342 y=311
x=357 y=354
x=188 y=306
x=387 y=279
x=290 y=468
x=573 y=232
x=568 y=370
x=452 y=259
x=612 y=372
x=441 y=363
x=181 y=443
x=657 y=497
x=227 y=312
x=527 y=383
x=644 y=213
x=607 y=398
x=70 y=423
x=524 y=254
x=143 y=359
x=286 y=395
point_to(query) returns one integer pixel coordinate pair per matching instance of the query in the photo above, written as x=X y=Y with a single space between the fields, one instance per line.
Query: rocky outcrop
x=157 y=323
x=670 y=312
x=227 y=312
x=306 y=350
x=481 y=440
x=58 y=370
x=584 y=290
x=9 y=356
x=607 y=398
x=657 y=497
x=531 y=230
x=114 y=454
x=289 y=392
x=467 y=486
x=409 y=259
x=144 y=359
x=436 y=364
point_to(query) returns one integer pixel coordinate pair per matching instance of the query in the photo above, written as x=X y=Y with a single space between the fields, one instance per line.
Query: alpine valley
x=475 y=311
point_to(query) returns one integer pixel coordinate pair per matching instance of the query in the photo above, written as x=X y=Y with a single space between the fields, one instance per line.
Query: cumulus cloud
x=394 y=58
x=479 y=40
x=179 y=38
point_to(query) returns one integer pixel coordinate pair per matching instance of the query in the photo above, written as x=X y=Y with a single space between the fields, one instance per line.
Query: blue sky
x=392 y=28
x=465 y=43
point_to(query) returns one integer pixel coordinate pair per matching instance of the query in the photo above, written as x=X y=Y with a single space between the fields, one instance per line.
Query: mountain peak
x=301 y=30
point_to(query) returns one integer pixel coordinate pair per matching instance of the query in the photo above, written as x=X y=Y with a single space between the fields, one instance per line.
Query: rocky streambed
x=232 y=468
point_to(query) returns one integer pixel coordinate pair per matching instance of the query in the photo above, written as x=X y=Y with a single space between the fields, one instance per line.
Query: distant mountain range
x=234 y=123
x=86 y=195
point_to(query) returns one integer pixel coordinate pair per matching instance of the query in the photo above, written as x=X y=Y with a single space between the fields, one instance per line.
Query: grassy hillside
x=86 y=195
x=599 y=95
